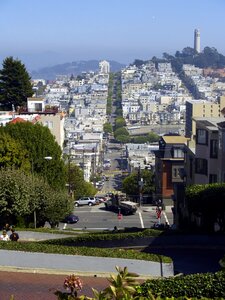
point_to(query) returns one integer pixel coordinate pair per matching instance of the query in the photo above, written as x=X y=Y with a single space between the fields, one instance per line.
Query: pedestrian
x=7 y=227
x=158 y=215
x=4 y=236
x=115 y=229
x=14 y=236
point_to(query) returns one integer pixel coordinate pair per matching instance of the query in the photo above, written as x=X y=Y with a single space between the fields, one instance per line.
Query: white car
x=86 y=201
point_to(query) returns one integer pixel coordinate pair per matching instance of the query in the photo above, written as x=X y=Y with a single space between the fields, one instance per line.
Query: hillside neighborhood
x=154 y=99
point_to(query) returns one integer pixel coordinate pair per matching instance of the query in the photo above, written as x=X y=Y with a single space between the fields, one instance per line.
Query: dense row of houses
x=197 y=156
x=75 y=111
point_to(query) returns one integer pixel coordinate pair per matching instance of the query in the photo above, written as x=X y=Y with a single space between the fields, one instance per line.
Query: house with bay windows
x=208 y=163
x=169 y=166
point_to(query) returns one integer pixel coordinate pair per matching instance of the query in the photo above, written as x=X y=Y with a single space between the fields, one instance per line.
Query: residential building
x=169 y=166
x=104 y=67
x=201 y=108
x=55 y=123
x=204 y=164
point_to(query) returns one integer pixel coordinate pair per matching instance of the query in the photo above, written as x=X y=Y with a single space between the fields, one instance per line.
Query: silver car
x=86 y=201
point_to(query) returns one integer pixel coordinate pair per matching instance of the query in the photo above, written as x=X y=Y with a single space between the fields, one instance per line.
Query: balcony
x=46 y=110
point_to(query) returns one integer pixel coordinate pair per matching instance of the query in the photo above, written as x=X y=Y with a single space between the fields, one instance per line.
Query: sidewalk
x=27 y=286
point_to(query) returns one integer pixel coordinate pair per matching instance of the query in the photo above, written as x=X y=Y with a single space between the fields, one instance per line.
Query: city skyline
x=65 y=31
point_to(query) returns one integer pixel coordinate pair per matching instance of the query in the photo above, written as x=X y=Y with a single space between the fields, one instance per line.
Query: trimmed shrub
x=86 y=251
x=208 y=285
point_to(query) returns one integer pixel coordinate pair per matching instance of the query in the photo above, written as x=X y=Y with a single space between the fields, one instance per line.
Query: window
x=177 y=172
x=201 y=166
x=178 y=153
x=38 y=107
x=202 y=137
x=213 y=148
x=49 y=124
x=212 y=178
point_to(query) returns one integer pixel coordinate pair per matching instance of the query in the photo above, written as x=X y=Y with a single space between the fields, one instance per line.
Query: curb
x=66 y=272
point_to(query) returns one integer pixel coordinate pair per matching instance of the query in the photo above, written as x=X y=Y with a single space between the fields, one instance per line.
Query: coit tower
x=197 y=41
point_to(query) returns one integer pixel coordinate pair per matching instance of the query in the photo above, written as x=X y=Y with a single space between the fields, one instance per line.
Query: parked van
x=128 y=207
x=123 y=207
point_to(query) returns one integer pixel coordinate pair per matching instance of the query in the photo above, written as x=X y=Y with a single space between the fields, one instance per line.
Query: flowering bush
x=73 y=284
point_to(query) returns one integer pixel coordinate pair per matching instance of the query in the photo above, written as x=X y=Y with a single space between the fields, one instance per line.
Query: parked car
x=86 y=201
x=70 y=219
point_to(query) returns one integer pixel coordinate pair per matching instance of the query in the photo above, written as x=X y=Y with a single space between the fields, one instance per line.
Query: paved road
x=98 y=217
x=192 y=260
x=83 y=265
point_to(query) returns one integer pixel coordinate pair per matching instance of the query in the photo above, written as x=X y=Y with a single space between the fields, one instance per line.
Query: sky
x=49 y=32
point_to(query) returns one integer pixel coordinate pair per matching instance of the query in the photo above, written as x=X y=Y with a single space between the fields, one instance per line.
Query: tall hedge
x=208 y=202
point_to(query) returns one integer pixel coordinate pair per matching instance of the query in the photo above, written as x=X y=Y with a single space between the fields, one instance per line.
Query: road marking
x=165 y=216
x=64 y=226
x=141 y=220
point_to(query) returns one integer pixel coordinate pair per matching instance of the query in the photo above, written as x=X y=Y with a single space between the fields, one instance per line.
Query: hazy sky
x=48 y=32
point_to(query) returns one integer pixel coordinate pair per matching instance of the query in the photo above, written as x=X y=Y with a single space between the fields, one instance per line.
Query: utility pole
x=69 y=170
x=140 y=185
x=32 y=173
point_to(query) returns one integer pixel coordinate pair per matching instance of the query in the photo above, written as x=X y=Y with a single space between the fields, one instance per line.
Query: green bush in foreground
x=124 y=286
x=208 y=285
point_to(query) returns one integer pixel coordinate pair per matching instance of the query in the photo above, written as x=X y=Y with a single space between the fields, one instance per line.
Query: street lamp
x=140 y=185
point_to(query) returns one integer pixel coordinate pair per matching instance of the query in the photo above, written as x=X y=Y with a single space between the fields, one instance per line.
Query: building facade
x=169 y=166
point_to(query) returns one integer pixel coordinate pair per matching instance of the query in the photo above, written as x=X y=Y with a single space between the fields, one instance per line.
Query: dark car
x=70 y=219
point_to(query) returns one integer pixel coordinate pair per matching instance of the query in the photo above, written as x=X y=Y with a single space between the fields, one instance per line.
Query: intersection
x=96 y=217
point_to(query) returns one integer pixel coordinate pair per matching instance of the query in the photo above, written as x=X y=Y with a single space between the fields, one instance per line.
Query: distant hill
x=75 y=68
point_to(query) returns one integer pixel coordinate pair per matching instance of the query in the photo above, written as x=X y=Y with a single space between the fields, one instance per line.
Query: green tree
x=15 y=193
x=119 y=112
x=12 y=153
x=123 y=138
x=107 y=127
x=120 y=122
x=23 y=194
x=152 y=137
x=40 y=143
x=121 y=131
x=131 y=183
x=139 y=62
x=15 y=84
x=78 y=185
x=56 y=206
